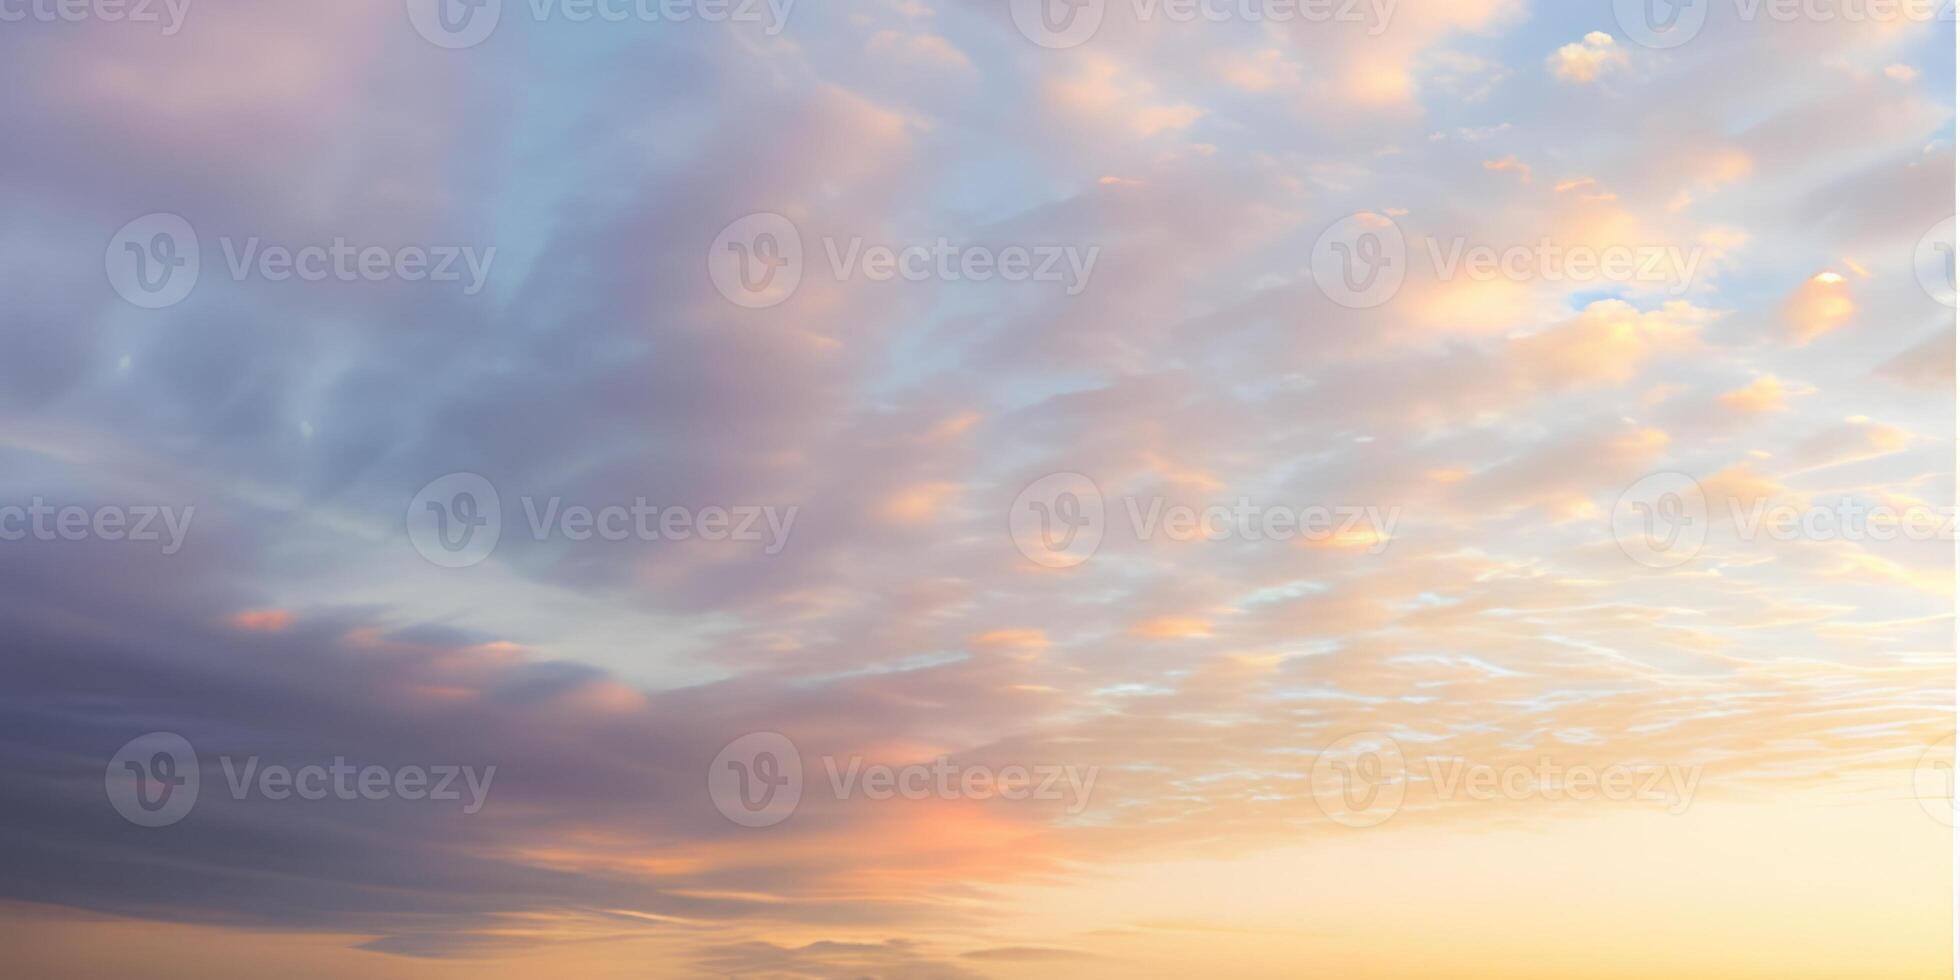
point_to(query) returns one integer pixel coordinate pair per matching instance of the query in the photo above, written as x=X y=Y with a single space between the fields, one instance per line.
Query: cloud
x=1765 y=394
x=1499 y=419
x=1587 y=60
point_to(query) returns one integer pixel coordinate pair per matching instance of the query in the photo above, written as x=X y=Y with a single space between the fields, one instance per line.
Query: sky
x=977 y=488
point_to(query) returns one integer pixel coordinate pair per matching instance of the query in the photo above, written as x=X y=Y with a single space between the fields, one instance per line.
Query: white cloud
x=1584 y=61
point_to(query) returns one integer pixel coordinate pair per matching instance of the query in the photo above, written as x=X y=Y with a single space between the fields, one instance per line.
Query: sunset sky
x=1477 y=723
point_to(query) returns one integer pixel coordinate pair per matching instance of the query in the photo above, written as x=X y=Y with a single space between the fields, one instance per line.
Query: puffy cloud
x=1586 y=60
x=1765 y=394
x=1496 y=420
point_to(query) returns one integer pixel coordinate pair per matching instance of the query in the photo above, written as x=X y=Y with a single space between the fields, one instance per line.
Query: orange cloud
x=261 y=620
